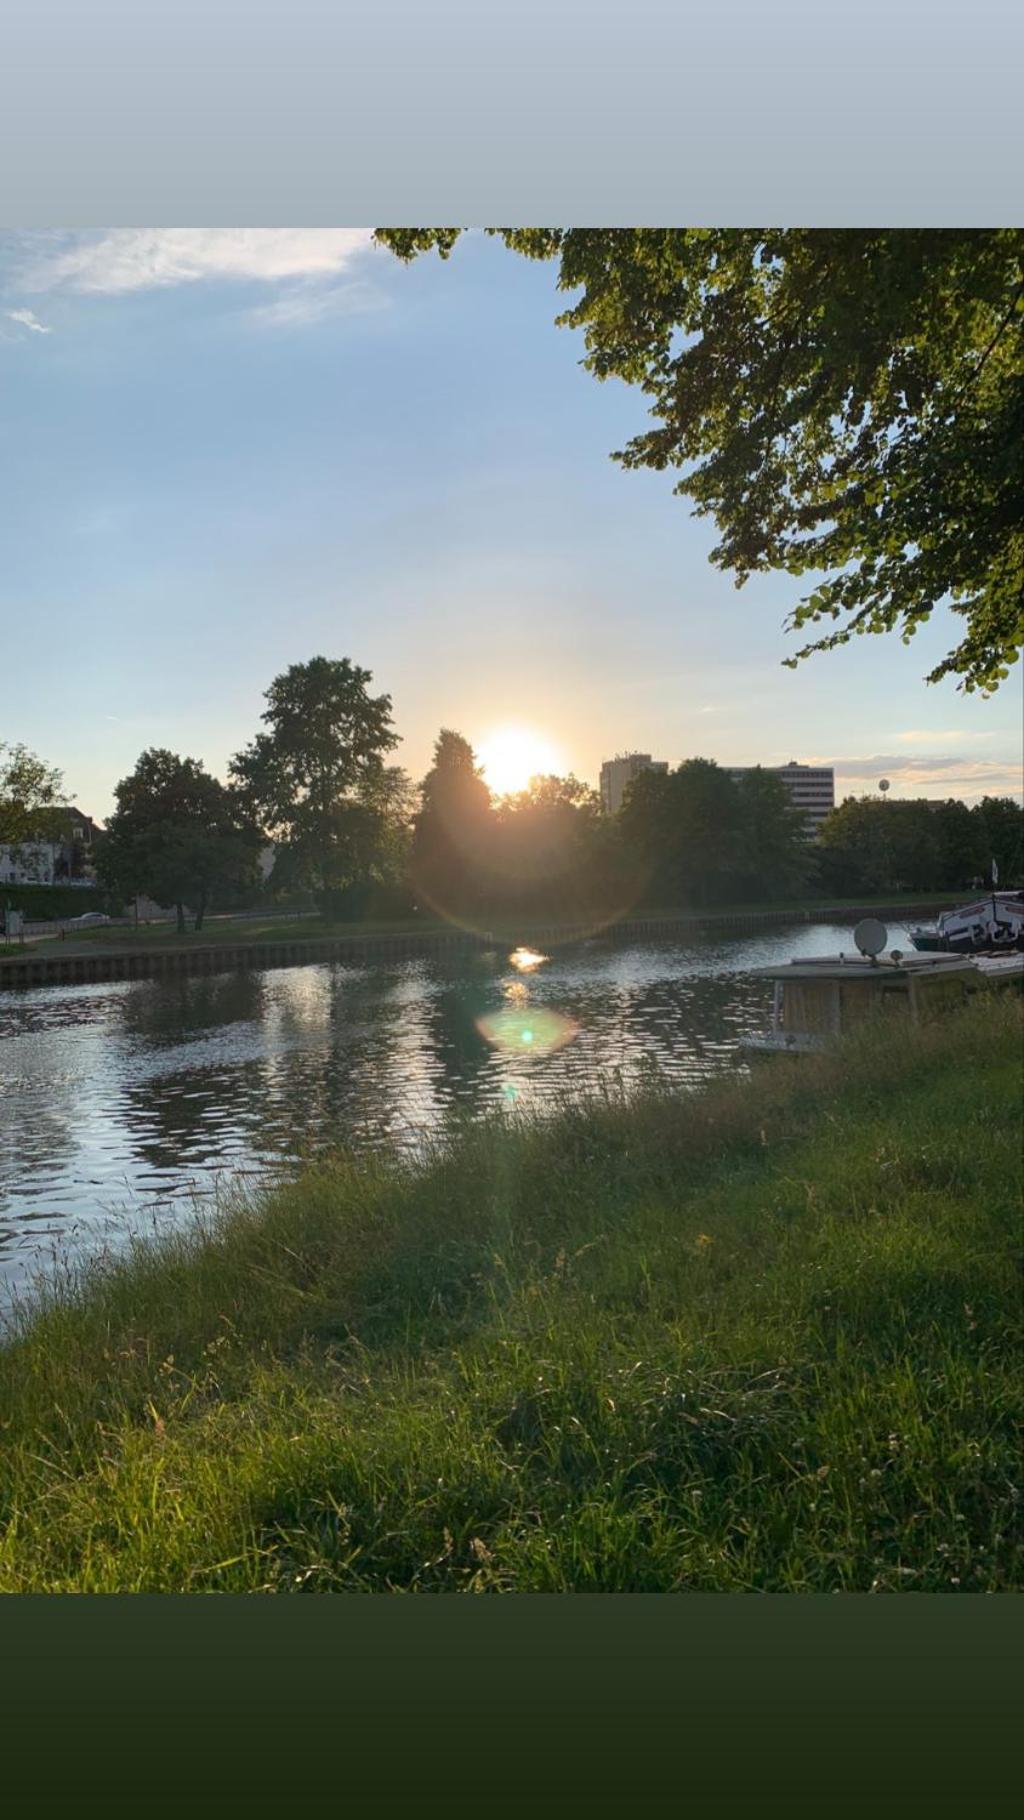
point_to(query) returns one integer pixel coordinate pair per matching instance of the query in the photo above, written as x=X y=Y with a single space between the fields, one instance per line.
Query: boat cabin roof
x=856 y=967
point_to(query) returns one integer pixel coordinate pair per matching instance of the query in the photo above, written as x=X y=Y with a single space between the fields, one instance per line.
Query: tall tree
x=31 y=797
x=1000 y=823
x=870 y=846
x=377 y=829
x=843 y=403
x=961 y=847
x=308 y=776
x=177 y=835
x=685 y=830
x=773 y=857
x=393 y=798
x=449 y=858
x=547 y=853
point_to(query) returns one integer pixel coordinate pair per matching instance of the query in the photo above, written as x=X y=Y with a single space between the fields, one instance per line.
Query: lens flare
x=527 y=1030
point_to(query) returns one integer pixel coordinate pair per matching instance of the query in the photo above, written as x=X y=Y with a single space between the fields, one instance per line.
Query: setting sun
x=510 y=756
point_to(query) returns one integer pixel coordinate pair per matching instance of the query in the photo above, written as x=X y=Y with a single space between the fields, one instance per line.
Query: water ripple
x=120 y=1103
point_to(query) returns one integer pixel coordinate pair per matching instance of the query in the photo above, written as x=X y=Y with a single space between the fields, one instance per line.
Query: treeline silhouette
x=355 y=837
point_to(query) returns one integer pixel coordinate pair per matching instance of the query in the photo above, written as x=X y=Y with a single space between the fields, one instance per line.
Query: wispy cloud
x=141 y=259
x=304 y=304
x=29 y=320
x=922 y=735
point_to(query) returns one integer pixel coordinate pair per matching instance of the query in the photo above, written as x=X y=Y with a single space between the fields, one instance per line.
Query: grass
x=761 y=1338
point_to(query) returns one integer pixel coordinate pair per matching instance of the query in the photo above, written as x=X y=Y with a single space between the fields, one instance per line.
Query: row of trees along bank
x=354 y=836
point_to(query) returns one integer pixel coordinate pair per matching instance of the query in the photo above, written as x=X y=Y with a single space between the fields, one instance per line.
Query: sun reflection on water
x=522 y=1027
x=525 y=960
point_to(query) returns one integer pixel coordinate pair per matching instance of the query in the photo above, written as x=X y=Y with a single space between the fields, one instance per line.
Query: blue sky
x=224 y=451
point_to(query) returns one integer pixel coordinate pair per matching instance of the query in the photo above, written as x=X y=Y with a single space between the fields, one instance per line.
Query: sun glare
x=510 y=756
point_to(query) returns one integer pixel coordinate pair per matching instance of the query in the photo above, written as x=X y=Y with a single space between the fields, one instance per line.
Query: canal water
x=122 y=1105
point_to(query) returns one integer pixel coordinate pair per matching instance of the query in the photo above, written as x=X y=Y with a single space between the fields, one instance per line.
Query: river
x=122 y=1104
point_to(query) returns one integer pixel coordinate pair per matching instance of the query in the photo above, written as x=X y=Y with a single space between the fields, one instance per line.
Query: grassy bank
x=760 y=1338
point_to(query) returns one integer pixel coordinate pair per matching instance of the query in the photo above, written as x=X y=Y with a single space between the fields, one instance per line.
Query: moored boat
x=991 y=923
x=818 y=1000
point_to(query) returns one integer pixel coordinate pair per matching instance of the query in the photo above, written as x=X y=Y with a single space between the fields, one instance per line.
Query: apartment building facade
x=811 y=787
x=65 y=859
x=617 y=773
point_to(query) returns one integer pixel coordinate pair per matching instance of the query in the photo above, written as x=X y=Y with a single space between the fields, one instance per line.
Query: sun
x=510 y=756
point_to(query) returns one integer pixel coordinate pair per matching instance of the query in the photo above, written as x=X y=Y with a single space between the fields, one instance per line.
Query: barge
x=819 y=999
x=994 y=922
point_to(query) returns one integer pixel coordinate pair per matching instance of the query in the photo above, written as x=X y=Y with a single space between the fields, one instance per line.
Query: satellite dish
x=871 y=936
x=883 y=785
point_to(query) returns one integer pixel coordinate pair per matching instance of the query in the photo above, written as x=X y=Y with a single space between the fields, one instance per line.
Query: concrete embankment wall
x=147 y=963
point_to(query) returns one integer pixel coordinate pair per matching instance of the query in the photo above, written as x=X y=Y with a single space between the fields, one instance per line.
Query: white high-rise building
x=616 y=773
x=812 y=788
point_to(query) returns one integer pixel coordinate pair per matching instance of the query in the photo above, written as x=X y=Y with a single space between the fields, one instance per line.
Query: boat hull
x=928 y=941
x=778 y=1042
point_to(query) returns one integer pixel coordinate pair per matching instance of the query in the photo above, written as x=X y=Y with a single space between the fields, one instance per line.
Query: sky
x=225 y=451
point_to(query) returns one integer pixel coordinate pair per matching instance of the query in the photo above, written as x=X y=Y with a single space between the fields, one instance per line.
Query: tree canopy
x=847 y=405
x=1001 y=836
x=178 y=835
x=697 y=836
x=870 y=846
x=772 y=845
x=311 y=777
x=550 y=851
x=449 y=846
x=31 y=799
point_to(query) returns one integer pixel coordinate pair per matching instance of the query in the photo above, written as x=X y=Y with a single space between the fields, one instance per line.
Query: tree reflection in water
x=124 y=1093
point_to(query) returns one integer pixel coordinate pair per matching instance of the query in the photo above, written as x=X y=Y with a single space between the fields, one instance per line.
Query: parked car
x=91 y=920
